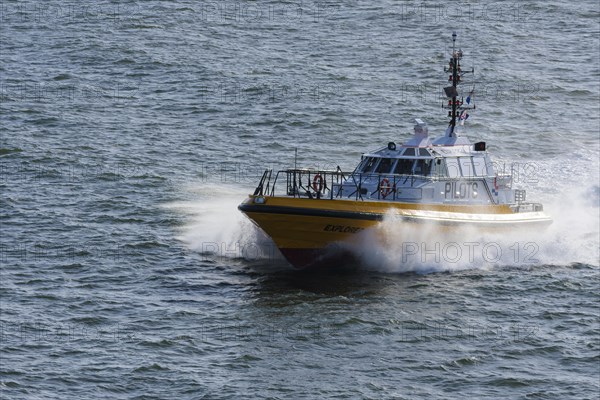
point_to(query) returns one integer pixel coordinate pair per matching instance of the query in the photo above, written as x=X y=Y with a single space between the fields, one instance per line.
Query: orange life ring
x=317 y=183
x=385 y=188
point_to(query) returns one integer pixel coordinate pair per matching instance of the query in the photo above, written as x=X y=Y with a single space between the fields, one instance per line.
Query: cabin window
x=466 y=165
x=452 y=167
x=439 y=167
x=404 y=166
x=490 y=166
x=409 y=152
x=385 y=165
x=479 y=165
x=424 y=152
x=361 y=165
x=423 y=167
x=370 y=165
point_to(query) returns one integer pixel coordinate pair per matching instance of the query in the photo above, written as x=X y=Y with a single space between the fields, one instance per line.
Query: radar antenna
x=457 y=107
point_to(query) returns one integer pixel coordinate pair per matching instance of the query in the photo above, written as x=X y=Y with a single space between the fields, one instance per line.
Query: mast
x=454 y=104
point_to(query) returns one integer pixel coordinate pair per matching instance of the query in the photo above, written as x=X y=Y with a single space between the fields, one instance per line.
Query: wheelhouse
x=426 y=162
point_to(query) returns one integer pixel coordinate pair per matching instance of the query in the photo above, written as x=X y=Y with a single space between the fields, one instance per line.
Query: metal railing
x=328 y=184
x=303 y=183
x=322 y=184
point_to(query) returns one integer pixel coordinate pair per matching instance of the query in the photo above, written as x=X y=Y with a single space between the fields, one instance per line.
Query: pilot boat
x=447 y=182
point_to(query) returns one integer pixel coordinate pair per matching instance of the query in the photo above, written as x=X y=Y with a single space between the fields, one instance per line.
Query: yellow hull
x=302 y=228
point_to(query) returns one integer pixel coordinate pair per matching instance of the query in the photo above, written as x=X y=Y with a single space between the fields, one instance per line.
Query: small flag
x=463 y=117
x=469 y=96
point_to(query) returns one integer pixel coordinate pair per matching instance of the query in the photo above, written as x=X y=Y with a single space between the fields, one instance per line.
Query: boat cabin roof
x=426 y=152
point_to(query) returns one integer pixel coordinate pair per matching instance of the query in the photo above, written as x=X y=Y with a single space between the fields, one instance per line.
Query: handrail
x=320 y=183
x=487 y=188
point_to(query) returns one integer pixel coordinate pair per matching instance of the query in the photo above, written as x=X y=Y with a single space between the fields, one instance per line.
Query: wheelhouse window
x=466 y=165
x=404 y=166
x=490 y=167
x=424 y=152
x=479 y=165
x=423 y=167
x=452 y=167
x=409 y=152
x=369 y=165
x=361 y=165
x=439 y=168
x=385 y=166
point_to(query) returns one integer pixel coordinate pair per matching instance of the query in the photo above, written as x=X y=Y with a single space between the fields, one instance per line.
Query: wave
x=215 y=228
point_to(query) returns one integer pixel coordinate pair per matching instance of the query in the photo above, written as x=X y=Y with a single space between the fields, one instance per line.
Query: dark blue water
x=130 y=131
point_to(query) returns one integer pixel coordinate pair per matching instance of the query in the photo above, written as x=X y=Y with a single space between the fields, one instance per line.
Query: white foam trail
x=570 y=191
x=398 y=246
x=574 y=237
x=216 y=228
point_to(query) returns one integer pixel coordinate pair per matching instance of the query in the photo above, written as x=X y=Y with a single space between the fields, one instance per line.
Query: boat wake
x=425 y=248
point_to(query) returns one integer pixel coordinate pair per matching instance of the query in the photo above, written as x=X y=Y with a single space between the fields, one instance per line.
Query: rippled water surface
x=130 y=131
